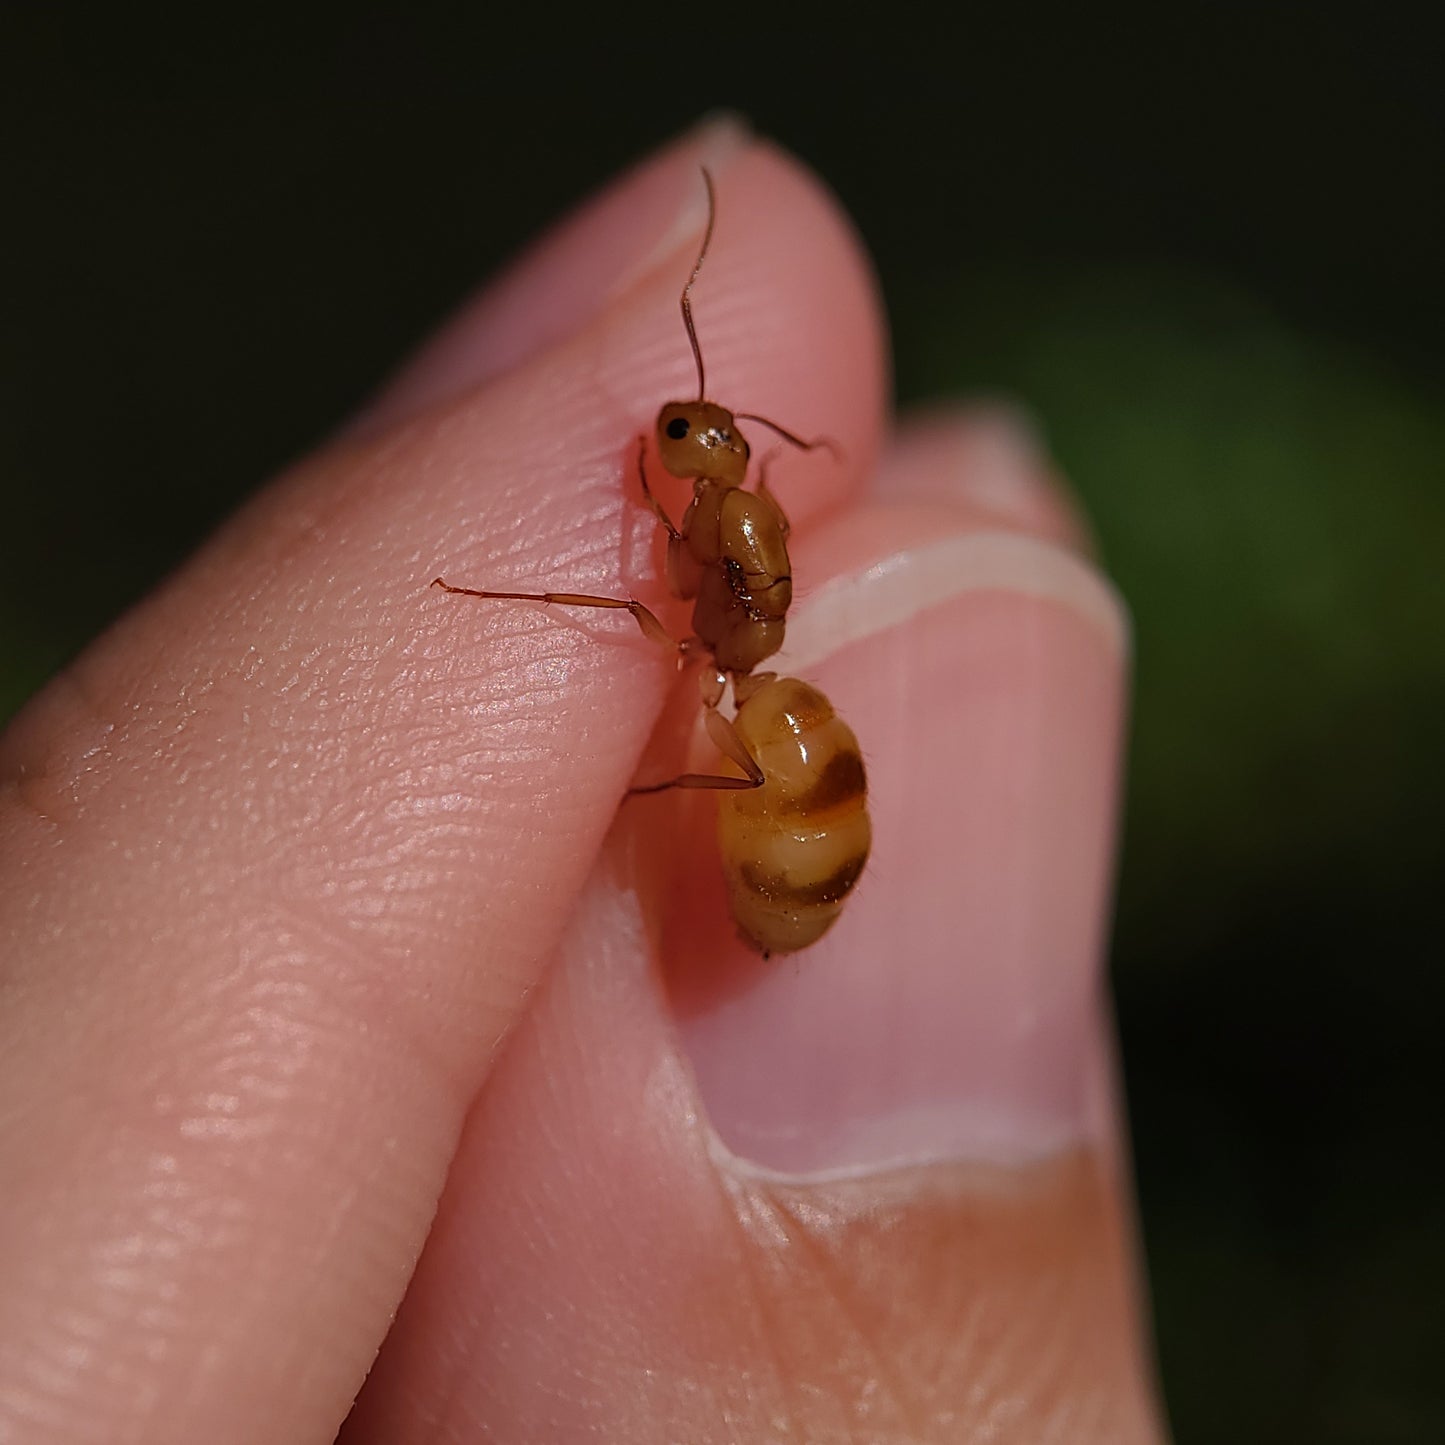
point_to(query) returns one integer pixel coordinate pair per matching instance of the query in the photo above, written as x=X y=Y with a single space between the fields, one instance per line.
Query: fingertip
x=788 y=310
x=563 y=278
x=988 y=458
x=810 y=280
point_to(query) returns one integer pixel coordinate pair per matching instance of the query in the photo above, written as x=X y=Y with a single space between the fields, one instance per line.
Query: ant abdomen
x=793 y=846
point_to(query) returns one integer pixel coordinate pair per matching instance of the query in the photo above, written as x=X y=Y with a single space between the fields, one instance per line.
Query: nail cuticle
x=981 y=1167
x=901 y=585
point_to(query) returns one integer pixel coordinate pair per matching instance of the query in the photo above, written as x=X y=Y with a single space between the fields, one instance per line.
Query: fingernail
x=568 y=276
x=952 y=1012
x=990 y=457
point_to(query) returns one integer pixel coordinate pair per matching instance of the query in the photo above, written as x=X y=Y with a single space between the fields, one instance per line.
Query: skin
x=349 y=1029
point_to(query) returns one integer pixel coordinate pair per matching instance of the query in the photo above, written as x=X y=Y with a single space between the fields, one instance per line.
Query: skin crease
x=328 y=977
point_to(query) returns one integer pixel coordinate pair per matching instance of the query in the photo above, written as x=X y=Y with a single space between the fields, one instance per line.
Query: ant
x=794 y=832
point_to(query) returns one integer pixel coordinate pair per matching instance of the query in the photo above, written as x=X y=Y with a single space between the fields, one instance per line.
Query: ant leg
x=658 y=510
x=681 y=569
x=764 y=490
x=725 y=736
x=646 y=620
x=718 y=781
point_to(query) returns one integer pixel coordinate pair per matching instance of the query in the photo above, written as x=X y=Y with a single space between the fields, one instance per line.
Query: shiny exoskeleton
x=794 y=832
x=794 y=846
x=730 y=557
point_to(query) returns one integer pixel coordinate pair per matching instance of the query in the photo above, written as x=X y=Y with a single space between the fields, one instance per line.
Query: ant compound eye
x=677 y=428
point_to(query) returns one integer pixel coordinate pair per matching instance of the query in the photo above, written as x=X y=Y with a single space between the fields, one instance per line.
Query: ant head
x=700 y=439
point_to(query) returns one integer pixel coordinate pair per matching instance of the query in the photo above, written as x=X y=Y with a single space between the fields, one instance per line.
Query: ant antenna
x=827 y=443
x=687 y=290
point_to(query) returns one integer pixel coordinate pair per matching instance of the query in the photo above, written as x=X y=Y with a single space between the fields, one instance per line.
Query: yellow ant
x=794 y=831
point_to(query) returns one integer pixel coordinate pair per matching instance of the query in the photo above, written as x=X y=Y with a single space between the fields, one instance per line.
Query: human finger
x=986 y=459
x=282 y=854
x=869 y=1192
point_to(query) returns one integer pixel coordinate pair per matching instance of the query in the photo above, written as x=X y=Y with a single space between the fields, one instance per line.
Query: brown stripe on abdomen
x=781 y=888
x=841 y=782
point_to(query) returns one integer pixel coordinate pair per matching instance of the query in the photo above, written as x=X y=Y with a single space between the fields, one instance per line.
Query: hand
x=333 y=973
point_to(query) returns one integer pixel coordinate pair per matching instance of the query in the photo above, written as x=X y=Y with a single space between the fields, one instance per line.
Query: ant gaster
x=794 y=833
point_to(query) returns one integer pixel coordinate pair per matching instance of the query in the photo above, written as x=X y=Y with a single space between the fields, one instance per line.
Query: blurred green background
x=1201 y=246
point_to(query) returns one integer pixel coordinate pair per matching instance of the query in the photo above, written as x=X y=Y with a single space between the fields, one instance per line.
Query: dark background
x=1201 y=246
